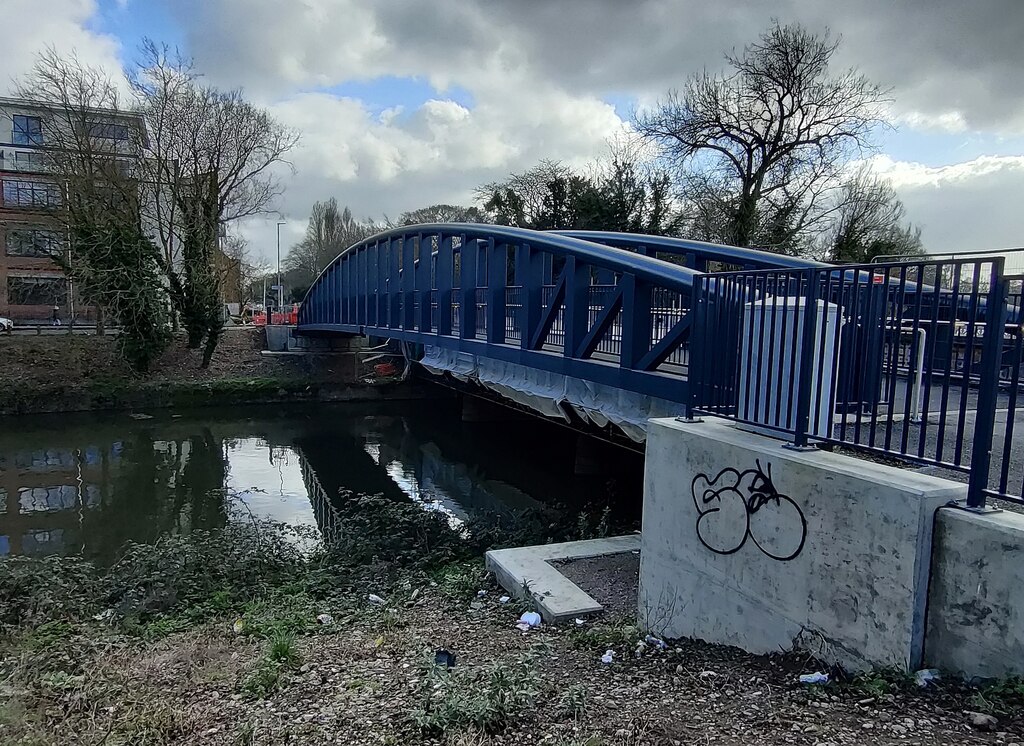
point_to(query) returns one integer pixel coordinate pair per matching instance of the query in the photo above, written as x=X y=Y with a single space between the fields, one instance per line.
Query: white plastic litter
x=607 y=657
x=580 y=622
x=325 y=619
x=481 y=594
x=926 y=676
x=655 y=642
x=814 y=678
x=375 y=599
x=504 y=599
x=530 y=619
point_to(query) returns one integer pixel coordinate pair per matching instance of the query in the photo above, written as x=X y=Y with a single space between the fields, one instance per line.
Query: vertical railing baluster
x=394 y=288
x=423 y=282
x=805 y=372
x=408 y=283
x=497 y=279
x=467 y=288
x=636 y=320
x=443 y=271
x=577 y=304
x=532 y=280
x=988 y=386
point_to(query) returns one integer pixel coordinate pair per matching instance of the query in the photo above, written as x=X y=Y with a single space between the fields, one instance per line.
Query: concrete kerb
x=526 y=573
x=751 y=544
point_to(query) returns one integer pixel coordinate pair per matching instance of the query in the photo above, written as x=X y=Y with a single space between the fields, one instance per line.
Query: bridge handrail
x=748 y=258
x=600 y=255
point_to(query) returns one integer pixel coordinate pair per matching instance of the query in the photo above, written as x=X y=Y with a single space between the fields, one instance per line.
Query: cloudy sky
x=406 y=103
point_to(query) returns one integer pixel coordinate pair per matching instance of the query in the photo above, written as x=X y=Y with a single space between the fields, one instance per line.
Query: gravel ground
x=365 y=676
x=611 y=580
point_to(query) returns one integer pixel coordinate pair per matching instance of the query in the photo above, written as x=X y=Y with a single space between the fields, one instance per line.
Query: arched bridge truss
x=572 y=303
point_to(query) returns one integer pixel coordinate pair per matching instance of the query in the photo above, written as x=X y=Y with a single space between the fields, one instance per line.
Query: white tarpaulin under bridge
x=548 y=393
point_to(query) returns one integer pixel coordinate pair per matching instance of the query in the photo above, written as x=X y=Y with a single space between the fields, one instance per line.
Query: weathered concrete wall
x=751 y=544
x=976 y=600
x=282 y=338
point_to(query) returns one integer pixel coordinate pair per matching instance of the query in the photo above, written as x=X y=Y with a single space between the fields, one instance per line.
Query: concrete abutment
x=751 y=544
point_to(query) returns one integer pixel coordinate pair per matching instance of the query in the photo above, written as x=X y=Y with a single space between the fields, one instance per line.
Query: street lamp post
x=280 y=287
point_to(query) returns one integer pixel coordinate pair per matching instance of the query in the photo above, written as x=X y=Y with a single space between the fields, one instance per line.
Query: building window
x=108 y=130
x=37 y=291
x=31 y=194
x=33 y=242
x=28 y=130
x=28 y=161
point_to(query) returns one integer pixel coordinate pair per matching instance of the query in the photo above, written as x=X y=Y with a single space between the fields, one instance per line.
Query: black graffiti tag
x=737 y=505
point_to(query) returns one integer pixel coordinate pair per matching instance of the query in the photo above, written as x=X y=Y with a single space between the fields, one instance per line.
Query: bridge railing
x=542 y=300
x=902 y=360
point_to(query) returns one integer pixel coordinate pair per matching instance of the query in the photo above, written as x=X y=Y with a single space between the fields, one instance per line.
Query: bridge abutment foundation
x=748 y=543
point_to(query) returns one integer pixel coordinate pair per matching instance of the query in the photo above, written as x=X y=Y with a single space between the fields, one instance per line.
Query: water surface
x=87 y=484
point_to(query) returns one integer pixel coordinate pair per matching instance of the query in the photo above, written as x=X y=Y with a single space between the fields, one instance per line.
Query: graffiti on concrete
x=734 y=506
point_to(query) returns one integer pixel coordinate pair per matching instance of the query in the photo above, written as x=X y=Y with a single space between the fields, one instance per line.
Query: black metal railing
x=918 y=360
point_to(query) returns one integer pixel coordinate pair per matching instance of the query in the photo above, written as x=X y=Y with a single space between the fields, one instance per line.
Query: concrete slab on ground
x=527 y=573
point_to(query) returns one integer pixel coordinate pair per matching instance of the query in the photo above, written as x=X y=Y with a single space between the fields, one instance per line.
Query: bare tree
x=538 y=198
x=92 y=192
x=869 y=221
x=443 y=214
x=774 y=131
x=211 y=159
x=330 y=231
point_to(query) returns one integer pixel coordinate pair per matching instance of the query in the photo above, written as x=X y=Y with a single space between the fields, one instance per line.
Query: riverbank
x=241 y=638
x=81 y=373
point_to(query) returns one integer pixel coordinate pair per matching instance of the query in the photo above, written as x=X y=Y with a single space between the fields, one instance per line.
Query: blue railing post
x=467 y=288
x=423 y=282
x=394 y=287
x=532 y=281
x=805 y=375
x=577 y=304
x=497 y=278
x=696 y=368
x=636 y=320
x=443 y=274
x=408 y=283
x=988 y=387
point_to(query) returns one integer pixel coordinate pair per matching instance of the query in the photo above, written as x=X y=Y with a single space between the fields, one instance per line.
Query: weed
x=486 y=699
x=282 y=649
x=882 y=681
x=281 y=656
x=459 y=581
x=575 y=700
x=1004 y=697
x=263 y=680
x=601 y=636
x=48 y=635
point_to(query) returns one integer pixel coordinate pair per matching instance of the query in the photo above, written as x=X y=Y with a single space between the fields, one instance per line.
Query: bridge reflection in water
x=90 y=484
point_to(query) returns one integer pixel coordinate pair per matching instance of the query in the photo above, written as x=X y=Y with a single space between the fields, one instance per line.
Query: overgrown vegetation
x=485 y=699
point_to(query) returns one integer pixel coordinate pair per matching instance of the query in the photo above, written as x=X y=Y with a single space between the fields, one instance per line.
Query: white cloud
x=962 y=206
x=536 y=72
x=31 y=26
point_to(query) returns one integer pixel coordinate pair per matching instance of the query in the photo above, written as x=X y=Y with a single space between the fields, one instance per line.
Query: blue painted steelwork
x=541 y=300
x=696 y=255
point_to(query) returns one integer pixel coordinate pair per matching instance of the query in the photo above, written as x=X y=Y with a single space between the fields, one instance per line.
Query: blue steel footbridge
x=596 y=307
x=616 y=328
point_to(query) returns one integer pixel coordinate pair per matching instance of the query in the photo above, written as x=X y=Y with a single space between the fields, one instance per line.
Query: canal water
x=85 y=484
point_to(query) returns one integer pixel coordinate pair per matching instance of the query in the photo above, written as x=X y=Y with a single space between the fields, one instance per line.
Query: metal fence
x=919 y=360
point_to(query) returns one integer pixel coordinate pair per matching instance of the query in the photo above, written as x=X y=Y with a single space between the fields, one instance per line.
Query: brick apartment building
x=31 y=282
